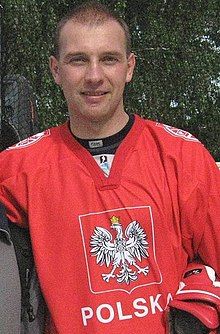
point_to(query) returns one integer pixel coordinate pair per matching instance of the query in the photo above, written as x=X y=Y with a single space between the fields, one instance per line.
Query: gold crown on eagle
x=115 y=220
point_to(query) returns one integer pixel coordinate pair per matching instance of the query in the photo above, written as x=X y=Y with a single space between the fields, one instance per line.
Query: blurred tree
x=177 y=77
x=177 y=44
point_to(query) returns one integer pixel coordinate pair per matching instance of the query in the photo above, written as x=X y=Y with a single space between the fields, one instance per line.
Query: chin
x=95 y=114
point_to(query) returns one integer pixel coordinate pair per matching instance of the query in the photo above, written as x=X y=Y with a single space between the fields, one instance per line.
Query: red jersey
x=110 y=251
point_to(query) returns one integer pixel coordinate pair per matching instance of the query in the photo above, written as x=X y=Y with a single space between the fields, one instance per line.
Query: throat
x=97 y=126
x=106 y=145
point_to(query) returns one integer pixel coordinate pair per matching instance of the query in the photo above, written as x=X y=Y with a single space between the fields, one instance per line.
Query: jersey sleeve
x=13 y=187
x=18 y=165
x=200 y=208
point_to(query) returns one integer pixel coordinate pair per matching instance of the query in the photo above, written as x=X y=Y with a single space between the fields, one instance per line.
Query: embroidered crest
x=30 y=140
x=123 y=251
x=119 y=248
x=178 y=132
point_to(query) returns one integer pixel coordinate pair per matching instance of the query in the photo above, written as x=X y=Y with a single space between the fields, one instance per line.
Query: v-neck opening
x=113 y=180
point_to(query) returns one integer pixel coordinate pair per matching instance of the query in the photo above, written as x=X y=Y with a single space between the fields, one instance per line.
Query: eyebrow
x=74 y=54
x=83 y=54
x=112 y=53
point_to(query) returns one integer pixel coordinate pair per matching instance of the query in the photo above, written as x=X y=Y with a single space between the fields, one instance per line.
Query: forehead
x=80 y=37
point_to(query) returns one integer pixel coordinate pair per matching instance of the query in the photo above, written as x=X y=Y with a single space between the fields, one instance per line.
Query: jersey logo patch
x=178 y=132
x=120 y=251
x=30 y=140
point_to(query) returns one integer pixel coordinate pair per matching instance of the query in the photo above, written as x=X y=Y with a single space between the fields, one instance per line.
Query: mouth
x=94 y=93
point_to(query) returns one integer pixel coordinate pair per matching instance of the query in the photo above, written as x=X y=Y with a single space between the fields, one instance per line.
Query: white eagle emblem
x=123 y=251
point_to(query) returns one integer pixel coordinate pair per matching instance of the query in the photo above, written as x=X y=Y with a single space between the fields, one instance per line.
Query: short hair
x=91 y=13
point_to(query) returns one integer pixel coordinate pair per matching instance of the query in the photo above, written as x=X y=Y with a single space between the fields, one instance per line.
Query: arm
x=200 y=214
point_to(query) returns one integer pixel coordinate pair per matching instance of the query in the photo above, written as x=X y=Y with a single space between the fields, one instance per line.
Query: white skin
x=92 y=70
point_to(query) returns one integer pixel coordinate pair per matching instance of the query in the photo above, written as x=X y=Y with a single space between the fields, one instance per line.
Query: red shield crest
x=119 y=249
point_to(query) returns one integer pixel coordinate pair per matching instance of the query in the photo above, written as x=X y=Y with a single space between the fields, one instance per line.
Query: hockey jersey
x=110 y=251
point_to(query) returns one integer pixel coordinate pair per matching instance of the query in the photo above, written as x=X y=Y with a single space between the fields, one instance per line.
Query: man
x=116 y=205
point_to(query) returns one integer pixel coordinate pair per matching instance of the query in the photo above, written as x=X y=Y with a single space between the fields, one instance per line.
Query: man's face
x=92 y=69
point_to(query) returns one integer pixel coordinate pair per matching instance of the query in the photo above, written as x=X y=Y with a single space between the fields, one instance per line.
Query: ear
x=131 y=65
x=54 y=68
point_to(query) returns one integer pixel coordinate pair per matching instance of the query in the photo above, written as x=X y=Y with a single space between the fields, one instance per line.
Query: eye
x=109 y=60
x=77 y=60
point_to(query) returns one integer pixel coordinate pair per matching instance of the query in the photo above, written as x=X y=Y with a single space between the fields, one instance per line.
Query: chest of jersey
x=110 y=238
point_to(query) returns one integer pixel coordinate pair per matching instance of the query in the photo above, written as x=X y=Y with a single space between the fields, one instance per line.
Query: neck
x=98 y=128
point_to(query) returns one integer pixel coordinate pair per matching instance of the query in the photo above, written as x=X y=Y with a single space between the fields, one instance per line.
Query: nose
x=94 y=73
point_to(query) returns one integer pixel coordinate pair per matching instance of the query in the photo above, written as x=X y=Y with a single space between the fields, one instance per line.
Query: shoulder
x=168 y=133
x=169 y=139
x=31 y=152
x=30 y=141
x=173 y=132
x=177 y=148
x=37 y=140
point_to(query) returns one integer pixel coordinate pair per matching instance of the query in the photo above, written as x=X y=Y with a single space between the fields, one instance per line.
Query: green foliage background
x=177 y=44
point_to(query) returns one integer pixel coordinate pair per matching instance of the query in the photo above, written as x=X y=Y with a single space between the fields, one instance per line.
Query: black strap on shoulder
x=22 y=245
x=4 y=223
